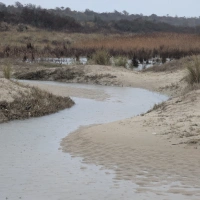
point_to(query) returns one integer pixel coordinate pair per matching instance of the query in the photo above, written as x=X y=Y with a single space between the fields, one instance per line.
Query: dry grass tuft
x=101 y=57
x=193 y=76
x=120 y=61
x=7 y=71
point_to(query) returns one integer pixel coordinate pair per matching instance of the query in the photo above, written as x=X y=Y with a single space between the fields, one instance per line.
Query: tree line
x=64 y=19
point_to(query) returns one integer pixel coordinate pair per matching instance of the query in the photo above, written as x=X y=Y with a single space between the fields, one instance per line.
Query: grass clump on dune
x=193 y=68
x=120 y=61
x=7 y=71
x=35 y=103
x=101 y=57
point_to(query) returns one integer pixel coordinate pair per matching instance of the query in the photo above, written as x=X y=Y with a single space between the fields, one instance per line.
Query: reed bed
x=59 y=44
x=156 y=44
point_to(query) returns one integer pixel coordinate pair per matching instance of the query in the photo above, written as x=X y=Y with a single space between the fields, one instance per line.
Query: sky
x=181 y=8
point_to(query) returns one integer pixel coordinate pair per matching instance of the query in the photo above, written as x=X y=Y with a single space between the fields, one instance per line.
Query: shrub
x=193 y=76
x=7 y=71
x=121 y=61
x=101 y=57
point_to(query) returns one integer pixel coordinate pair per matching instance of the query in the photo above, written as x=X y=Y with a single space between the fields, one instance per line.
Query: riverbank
x=18 y=101
x=159 y=147
x=172 y=116
x=173 y=113
x=166 y=82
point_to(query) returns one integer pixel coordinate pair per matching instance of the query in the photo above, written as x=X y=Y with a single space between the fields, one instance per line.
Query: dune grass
x=120 y=61
x=193 y=68
x=7 y=71
x=101 y=57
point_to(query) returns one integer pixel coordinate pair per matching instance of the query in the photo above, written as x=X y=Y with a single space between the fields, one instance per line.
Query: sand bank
x=159 y=147
x=18 y=101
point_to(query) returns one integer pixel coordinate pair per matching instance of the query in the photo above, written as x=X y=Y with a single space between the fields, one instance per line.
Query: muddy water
x=33 y=167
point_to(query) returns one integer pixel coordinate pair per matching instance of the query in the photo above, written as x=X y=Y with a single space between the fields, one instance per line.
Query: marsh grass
x=7 y=71
x=62 y=44
x=101 y=57
x=121 y=61
x=193 y=68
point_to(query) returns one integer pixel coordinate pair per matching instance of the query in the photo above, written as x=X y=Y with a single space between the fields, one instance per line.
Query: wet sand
x=65 y=90
x=156 y=149
x=33 y=165
x=160 y=148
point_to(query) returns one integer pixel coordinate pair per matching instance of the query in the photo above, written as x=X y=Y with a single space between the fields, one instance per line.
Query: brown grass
x=139 y=41
x=60 y=44
x=147 y=45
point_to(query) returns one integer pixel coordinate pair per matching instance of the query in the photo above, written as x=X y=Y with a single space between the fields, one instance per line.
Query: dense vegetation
x=30 y=32
x=88 y=21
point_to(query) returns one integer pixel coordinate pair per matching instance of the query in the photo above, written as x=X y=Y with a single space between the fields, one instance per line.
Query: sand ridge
x=18 y=101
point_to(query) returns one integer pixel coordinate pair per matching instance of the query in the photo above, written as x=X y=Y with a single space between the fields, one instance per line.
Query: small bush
x=193 y=76
x=101 y=57
x=7 y=71
x=121 y=61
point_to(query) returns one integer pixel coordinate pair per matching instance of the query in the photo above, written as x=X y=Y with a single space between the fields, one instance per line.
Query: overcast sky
x=188 y=8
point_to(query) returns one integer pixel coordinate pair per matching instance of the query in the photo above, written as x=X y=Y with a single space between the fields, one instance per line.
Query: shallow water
x=65 y=61
x=32 y=166
x=84 y=60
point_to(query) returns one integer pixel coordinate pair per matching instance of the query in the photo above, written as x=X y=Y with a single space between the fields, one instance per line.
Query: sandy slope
x=18 y=101
x=9 y=90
